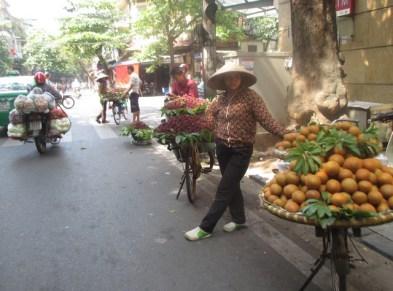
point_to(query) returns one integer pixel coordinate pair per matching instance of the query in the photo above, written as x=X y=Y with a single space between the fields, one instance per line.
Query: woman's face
x=233 y=81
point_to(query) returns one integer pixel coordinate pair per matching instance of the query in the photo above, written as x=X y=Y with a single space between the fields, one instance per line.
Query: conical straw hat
x=216 y=81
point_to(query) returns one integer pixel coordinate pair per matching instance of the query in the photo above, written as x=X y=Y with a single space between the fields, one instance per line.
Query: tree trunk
x=209 y=54
x=317 y=91
x=171 y=52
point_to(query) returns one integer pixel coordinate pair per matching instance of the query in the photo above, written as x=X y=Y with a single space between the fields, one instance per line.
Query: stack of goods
x=115 y=94
x=139 y=131
x=185 y=122
x=36 y=102
x=16 y=127
x=59 y=122
x=334 y=176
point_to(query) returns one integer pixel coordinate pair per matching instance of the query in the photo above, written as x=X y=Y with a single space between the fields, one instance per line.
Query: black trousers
x=233 y=165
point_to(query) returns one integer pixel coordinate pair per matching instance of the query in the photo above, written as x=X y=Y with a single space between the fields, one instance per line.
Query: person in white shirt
x=134 y=91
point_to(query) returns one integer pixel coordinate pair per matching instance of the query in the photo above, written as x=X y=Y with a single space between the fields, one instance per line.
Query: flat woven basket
x=380 y=218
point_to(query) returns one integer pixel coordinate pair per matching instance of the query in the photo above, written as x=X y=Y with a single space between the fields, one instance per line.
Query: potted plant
x=141 y=133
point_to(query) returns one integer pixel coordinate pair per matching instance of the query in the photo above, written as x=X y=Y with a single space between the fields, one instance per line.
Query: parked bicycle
x=119 y=110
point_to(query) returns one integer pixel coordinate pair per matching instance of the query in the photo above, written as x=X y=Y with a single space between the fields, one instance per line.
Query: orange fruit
x=388 y=170
x=313 y=182
x=390 y=202
x=367 y=207
x=281 y=179
x=289 y=189
x=292 y=178
x=291 y=206
x=279 y=202
x=339 y=199
x=292 y=165
x=334 y=208
x=345 y=173
x=331 y=168
x=299 y=197
x=387 y=191
x=272 y=198
x=304 y=130
x=304 y=189
x=322 y=188
x=290 y=136
x=339 y=151
x=286 y=144
x=313 y=194
x=385 y=178
x=354 y=130
x=372 y=164
x=375 y=198
x=333 y=186
x=312 y=136
x=337 y=158
x=384 y=206
x=276 y=189
x=349 y=185
x=373 y=178
x=284 y=199
x=362 y=174
x=352 y=163
x=300 y=138
x=359 y=197
x=323 y=176
x=365 y=186
x=313 y=128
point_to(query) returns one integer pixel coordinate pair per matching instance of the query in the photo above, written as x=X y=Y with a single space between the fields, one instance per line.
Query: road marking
x=103 y=130
x=11 y=143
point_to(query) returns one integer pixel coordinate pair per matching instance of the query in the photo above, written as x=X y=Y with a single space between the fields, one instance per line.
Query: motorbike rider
x=40 y=82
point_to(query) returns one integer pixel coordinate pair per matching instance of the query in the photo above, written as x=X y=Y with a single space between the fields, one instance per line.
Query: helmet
x=39 y=78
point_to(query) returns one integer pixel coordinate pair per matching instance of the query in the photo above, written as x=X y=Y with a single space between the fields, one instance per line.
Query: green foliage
x=228 y=27
x=306 y=156
x=5 y=60
x=138 y=133
x=369 y=144
x=205 y=136
x=94 y=28
x=319 y=211
x=45 y=53
x=262 y=28
x=191 y=111
x=332 y=137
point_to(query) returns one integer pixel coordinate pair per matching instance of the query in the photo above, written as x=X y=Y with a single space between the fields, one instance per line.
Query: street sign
x=344 y=7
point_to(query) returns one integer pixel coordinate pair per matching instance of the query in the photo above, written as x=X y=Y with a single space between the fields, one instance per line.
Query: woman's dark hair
x=131 y=68
x=176 y=71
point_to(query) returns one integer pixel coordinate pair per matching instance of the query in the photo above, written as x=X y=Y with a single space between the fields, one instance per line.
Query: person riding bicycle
x=41 y=82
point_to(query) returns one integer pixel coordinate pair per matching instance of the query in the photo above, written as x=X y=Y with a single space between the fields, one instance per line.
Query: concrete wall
x=367 y=44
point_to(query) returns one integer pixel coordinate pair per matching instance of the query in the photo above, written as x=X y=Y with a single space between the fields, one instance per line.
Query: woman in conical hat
x=234 y=116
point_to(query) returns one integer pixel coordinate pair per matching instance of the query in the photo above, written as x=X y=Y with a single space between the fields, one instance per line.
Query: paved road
x=97 y=213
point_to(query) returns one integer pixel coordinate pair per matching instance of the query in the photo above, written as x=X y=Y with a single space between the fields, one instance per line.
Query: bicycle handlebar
x=384 y=117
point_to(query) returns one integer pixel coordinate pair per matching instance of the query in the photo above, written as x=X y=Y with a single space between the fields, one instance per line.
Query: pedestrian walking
x=134 y=93
x=234 y=116
x=102 y=80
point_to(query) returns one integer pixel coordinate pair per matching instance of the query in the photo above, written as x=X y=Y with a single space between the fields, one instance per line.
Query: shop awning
x=250 y=8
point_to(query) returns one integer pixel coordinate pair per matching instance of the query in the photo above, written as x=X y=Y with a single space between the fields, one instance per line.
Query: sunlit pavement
x=98 y=213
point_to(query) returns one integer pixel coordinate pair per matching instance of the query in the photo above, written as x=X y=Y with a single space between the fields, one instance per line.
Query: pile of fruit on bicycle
x=333 y=175
x=115 y=94
x=29 y=109
x=185 y=123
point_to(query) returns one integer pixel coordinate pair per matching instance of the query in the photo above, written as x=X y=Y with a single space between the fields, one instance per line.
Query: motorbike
x=38 y=126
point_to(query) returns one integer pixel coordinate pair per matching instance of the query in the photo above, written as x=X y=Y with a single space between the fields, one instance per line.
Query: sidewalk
x=378 y=238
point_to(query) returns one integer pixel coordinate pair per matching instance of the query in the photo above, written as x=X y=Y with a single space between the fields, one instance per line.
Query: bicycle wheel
x=340 y=259
x=116 y=113
x=68 y=102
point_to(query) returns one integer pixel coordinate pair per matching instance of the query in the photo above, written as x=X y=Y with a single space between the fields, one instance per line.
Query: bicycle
x=118 y=110
x=190 y=156
x=67 y=101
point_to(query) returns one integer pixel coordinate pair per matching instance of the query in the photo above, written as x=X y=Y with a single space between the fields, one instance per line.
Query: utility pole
x=209 y=54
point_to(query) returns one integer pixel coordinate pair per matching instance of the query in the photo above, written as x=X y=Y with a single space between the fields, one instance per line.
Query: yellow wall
x=367 y=44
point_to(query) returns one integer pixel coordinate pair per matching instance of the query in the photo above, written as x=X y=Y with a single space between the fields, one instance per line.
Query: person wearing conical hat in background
x=233 y=115
x=102 y=80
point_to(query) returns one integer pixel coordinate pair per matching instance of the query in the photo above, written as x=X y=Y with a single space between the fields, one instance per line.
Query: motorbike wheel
x=40 y=144
x=68 y=102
